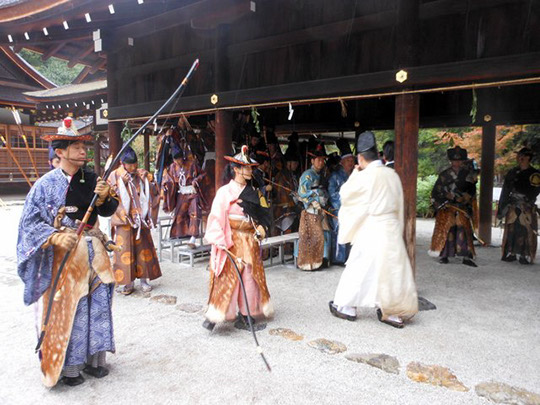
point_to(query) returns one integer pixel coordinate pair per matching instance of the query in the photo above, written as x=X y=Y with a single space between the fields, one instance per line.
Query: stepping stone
x=434 y=375
x=164 y=299
x=286 y=333
x=425 y=305
x=379 y=360
x=189 y=307
x=328 y=346
x=505 y=394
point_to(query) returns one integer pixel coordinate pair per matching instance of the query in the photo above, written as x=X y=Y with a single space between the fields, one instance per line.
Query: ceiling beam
x=52 y=50
x=173 y=18
x=472 y=71
x=80 y=56
x=98 y=66
x=82 y=75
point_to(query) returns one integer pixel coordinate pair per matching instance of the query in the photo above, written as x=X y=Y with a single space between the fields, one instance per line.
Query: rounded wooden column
x=406 y=163
x=224 y=126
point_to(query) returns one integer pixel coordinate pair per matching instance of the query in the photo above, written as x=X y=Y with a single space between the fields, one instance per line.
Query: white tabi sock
x=351 y=311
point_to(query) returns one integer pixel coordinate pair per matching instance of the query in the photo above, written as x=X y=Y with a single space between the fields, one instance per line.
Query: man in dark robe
x=518 y=208
x=452 y=197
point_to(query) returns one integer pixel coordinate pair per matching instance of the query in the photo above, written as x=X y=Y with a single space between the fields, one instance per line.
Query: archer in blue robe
x=310 y=189
x=92 y=331
x=340 y=253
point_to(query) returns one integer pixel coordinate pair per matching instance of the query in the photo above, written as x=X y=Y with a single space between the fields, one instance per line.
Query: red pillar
x=224 y=126
x=406 y=163
x=97 y=157
x=114 y=128
x=487 y=170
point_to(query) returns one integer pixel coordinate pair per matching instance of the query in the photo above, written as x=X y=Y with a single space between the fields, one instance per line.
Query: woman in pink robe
x=230 y=228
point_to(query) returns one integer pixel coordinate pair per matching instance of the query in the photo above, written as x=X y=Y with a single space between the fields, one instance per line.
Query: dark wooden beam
x=474 y=71
x=318 y=33
x=441 y=8
x=98 y=66
x=173 y=18
x=52 y=50
x=81 y=76
x=325 y=31
x=329 y=31
x=81 y=55
x=184 y=61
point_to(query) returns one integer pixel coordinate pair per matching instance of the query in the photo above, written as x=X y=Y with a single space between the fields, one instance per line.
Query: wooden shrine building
x=342 y=65
x=22 y=159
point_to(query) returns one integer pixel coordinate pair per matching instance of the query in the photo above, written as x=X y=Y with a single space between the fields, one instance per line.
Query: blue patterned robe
x=310 y=190
x=92 y=328
x=340 y=253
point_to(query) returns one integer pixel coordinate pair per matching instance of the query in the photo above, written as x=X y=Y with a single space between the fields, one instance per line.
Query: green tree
x=54 y=69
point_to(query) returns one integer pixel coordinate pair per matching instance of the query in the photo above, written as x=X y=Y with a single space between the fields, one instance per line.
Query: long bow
x=250 y=322
x=111 y=164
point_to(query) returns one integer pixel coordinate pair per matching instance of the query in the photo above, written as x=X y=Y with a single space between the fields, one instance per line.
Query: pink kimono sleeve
x=218 y=230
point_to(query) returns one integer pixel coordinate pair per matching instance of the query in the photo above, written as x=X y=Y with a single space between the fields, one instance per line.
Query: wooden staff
x=295 y=193
x=18 y=121
x=8 y=148
x=30 y=155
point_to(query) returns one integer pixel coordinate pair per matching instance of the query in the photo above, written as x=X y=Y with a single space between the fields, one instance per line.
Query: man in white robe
x=378 y=272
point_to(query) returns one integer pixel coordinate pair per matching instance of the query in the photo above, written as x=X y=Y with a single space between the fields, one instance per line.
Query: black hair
x=371 y=154
x=61 y=143
x=388 y=150
x=228 y=173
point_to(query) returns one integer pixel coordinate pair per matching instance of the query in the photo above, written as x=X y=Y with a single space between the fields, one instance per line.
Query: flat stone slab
x=425 y=305
x=383 y=361
x=164 y=299
x=506 y=394
x=434 y=375
x=286 y=333
x=328 y=346
x=189 y=307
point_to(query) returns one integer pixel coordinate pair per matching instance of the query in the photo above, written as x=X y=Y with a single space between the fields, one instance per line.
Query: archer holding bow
x=238 y=220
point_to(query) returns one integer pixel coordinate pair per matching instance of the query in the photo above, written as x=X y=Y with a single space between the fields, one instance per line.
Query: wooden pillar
x=406 y=45
x=114 y=128
x=224 y=126
x=146 y=136
x=487 y=170
x=406 y=162
x=97 y=157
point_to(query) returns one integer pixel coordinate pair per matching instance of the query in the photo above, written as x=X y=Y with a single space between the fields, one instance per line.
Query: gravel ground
x=486 y=328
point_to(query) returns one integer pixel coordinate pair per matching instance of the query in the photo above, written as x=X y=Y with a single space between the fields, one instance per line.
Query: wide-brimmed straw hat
x=242 y=158
x=67 y=132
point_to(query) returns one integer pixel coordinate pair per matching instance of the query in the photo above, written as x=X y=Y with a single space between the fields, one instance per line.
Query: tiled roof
x=69 y=90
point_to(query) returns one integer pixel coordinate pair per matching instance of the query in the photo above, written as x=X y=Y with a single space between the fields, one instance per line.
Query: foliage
x=423 y=195
x=433 y=143
x=54 y=69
